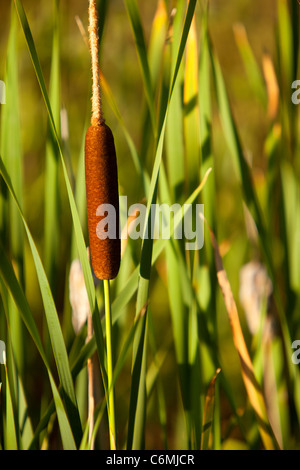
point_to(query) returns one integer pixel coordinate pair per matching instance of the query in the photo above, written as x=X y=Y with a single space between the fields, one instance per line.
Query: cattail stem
x=91 y=397
x=97 y=117
x=102 y=189
x=111 y=398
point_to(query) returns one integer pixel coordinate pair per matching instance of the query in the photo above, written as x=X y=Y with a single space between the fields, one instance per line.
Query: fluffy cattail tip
x=102 y=189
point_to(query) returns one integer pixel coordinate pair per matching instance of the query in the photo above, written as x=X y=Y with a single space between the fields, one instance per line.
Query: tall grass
x=187 y=372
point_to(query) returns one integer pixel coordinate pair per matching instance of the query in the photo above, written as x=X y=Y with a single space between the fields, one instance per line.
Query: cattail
x=101 y=175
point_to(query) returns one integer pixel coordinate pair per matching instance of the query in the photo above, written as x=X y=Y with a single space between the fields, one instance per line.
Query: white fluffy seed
x=78 y=296
x=255 y=290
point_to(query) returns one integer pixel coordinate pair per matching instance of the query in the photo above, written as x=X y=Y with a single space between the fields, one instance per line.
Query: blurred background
x=121 y=69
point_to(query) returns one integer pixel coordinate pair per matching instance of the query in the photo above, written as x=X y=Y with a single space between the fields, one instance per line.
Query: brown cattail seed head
x=102 y=188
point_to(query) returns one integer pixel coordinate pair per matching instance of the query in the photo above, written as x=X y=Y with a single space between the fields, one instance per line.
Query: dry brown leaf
x=209 y=411
x=272 y=86
x=253 y=388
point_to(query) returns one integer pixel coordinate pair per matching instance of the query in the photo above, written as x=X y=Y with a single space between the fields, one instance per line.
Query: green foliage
x=184 y=122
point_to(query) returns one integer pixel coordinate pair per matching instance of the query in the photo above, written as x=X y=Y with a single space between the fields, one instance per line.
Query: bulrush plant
x=101 y=177
x=140 y=349
x=101 y=174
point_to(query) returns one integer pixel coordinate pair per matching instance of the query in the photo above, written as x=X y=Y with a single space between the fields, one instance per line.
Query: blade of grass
x=250 y=63
x=174 y=127
x=253 y=389
x=180 y=328
x=57 y=340
x=11 y=148
x=135 y=157
x=64 y=425
x=191 y=122
x=294 y=9
x=286 y=54
x=154 y=379
x=285 y=45
x=138 y=390
x=209 y=201
x=80 y=200
x=175 y=145
x=182 y=303
x=160 y=92
x=102 y=11
x=12 y=284
x=207 y=161
x=26 y=429
x=192 y=139
x=51 y=220
x=10 y=431
x=11 y=140
x=291 y=200
x=157 y=41
x=136 y=24
x=80 y=193
x=52 y=192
